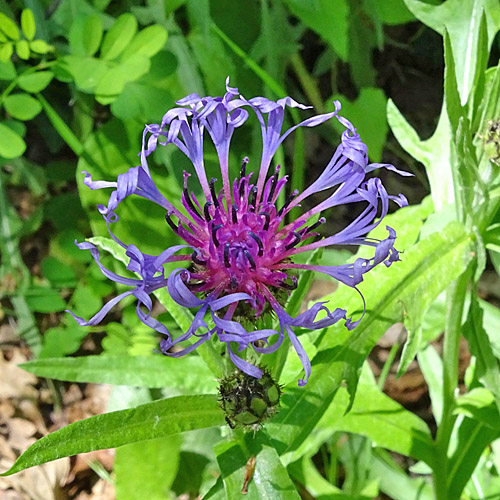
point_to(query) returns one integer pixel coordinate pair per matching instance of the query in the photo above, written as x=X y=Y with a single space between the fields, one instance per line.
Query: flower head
x=240 y=240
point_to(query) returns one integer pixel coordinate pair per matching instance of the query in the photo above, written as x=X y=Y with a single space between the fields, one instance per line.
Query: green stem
x=308 y=83
x=63 y=130
x=456 y=294
x=387 y=365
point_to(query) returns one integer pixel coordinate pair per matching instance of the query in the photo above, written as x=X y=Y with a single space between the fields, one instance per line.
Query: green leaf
x=7 y=70
x=58 y=273
x=40 y=47
x=462 y=19
x=487 y=370
x=381 y=419
x=270 y=478
x=148 y=421
x=118 y=37
x=393 y=11
x=330 y=23
x=6 y=52
x=473 y=437
x=23 y=49
x=148 y=467
x=86 y=71
x=44 y=299
x=59 y=341
x=12 y=145
x=395 y=483
x=434 y=153
x=8 y=26
x=22 y=106
x=187 y=374
x=92 y=34
x=35 y=82
x=146 y=43
x=388 y=292
x=28 y=24
x=113 y=81
x=479 y=404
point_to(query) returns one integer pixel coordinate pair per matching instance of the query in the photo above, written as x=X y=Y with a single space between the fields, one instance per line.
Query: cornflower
x=242 y=242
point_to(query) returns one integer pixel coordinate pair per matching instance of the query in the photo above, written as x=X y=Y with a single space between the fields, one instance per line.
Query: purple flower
x=241 y=240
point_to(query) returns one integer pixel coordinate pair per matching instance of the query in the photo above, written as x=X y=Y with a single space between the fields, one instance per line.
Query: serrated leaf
x=148 y=421
x=118 y=37
x=23 y=49
x=28 y=24
x=35 y=82
x=8 y=26
x=146 y=43
x=12 y=145
x=188 y=374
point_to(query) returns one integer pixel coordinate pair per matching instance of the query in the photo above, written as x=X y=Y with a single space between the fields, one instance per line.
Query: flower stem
x=456 y=294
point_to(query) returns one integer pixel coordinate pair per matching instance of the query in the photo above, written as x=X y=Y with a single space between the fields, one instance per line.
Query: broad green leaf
x=28 y=24
x=6 y=52
x=92 y=34
x=393 y=11
x=148 y=467
x=58 y=273
x=433 y=262
x=479 y=404
x=7 y=70
x=40 y=47
x=461 y=18
x=62 y=340
x=43 y=299
x=146 y=43
x=112 y=82
x=8 y=26
x=434 y=153
x=12 y=145
x=187 y=374
x=270 y=478
x=86 y=71
x=118 y=37
x=374 y=415
x=23 y=49
x=331 y=23
x=35 y=82
x=22 y=106
x=110 y=430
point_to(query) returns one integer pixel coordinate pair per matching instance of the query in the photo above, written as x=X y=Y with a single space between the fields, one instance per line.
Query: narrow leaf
x=110 y=430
